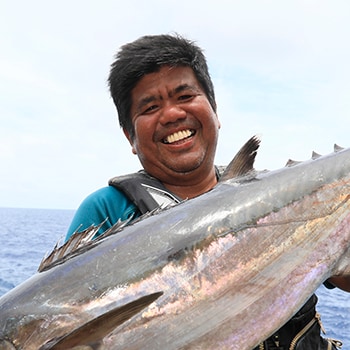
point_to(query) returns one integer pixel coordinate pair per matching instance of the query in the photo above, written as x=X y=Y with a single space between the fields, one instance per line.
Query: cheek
x=144 y=131
x=211 y=118
x=141 y=134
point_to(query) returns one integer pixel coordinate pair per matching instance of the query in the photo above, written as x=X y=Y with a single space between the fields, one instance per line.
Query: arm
x=106 y=204
x=342 y=282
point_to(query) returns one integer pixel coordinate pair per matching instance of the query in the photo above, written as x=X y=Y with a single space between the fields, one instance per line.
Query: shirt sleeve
x=107 y=205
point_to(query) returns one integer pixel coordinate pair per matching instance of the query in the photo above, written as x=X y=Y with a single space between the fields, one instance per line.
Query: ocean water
x=26 y=235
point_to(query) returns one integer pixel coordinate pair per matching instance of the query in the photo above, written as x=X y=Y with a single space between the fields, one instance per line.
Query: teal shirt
x=106 y=204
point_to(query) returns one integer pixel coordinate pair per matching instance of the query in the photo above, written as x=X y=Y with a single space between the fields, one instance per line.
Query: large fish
x=220 y=271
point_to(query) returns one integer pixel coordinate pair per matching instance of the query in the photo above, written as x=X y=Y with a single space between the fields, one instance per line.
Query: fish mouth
x=179 y=136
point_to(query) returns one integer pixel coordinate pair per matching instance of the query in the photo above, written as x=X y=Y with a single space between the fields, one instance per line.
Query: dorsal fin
x=92 y=333
x=74 y=243
x=78 y=241
x=81 y=241
x=243 y=162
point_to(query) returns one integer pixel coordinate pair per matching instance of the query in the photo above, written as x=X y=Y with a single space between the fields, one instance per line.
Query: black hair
x=147 y=55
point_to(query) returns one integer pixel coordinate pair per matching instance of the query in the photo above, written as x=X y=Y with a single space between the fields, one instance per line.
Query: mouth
x=178 y=136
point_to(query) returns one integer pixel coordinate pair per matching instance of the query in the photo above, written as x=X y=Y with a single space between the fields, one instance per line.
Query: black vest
x=145 y=191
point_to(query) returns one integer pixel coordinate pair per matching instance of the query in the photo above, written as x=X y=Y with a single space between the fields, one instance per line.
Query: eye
x=185 y=97
x=150 y=109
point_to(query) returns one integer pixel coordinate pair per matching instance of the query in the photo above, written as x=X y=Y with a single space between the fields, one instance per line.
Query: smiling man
x=166 y=106
x=175 y=130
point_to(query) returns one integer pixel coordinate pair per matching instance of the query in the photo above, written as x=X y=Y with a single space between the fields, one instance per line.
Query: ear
x=127 y=135
x=218 y=120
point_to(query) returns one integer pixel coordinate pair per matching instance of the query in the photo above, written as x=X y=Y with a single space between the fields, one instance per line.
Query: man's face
x=176 y=129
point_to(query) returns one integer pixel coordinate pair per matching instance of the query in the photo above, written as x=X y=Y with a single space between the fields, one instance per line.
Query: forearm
x=342 y=282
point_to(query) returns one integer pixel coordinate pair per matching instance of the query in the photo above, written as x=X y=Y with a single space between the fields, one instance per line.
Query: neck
x=193 y=188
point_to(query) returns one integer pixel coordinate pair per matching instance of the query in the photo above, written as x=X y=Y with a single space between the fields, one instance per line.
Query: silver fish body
x=220 y=271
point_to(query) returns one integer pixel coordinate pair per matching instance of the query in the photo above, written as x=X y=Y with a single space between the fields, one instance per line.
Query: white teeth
x=177 y=136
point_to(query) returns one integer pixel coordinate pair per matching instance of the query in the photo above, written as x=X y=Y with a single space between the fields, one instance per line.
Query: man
x=166 y=106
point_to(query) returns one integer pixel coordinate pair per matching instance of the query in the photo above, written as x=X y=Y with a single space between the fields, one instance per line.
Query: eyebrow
x=144 y=101
x=181 y=88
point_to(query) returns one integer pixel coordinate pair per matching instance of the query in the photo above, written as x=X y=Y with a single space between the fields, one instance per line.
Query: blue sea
x=26 y=235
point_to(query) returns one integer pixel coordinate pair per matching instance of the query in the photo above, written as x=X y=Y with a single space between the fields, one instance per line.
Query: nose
x=172 y=113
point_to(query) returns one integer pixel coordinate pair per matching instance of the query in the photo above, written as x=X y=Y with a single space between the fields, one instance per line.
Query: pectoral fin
x=91 y=333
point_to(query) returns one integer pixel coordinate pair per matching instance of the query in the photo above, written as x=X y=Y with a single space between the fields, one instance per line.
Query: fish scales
x=213 y=264
x=309 y=239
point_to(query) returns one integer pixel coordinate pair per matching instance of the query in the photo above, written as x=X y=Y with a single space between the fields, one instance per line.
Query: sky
x=280 y=70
